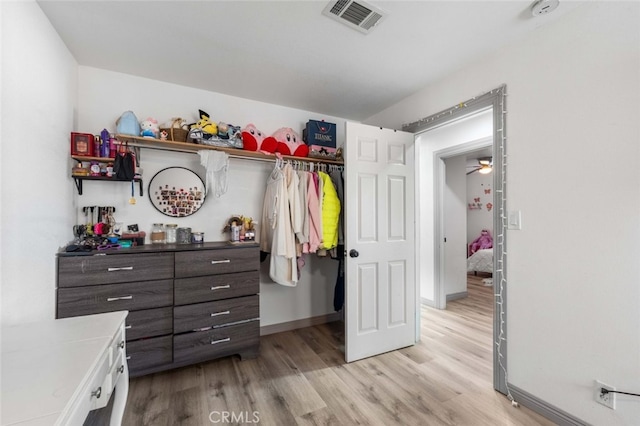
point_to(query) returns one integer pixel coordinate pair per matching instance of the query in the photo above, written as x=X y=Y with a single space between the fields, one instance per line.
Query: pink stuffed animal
x=288 y=142
x=254 y=140
x=484 y=241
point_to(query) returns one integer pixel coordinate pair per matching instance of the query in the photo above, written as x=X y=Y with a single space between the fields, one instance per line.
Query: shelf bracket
x=78 y=185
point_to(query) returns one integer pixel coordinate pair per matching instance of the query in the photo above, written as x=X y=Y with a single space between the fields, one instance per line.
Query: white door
x=380 y=241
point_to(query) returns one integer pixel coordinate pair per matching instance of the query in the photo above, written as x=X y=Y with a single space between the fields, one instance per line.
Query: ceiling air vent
x=358 y=15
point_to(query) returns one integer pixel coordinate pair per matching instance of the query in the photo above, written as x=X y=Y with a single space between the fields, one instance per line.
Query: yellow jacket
x=330 y=212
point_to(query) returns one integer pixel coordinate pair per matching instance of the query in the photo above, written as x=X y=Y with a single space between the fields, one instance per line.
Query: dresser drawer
x=79 y=271
x=146 y=353
x=200 y=315
x=149 y=323
x=216 y=287
x=223 y=261
x=114 y=297
x=223 y=341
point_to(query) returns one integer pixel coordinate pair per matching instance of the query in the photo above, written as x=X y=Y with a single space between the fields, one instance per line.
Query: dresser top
x=162 y=248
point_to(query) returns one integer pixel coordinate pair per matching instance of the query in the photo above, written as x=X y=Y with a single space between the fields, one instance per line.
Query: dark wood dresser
x=187 y=303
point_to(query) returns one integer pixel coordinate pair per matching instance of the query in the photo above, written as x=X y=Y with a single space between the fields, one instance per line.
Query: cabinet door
x=211 y=314
x=147 y=353
x=76 y=271
x=215 y=343
x=115 y=297
x=149 y=323
x=216 y=287
x=223 y=261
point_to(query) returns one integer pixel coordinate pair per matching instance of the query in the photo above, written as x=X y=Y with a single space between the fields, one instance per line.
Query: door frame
x=495 y=99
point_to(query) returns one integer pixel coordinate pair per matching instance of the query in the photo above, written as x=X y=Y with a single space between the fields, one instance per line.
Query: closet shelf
x=189 y=147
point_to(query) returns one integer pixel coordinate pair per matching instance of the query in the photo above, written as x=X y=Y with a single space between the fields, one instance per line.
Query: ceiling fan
x=485 y=166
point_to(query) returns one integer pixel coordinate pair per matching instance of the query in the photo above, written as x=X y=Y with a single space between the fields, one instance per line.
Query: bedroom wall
x=455 y=226
x=482 y=218
x=573 y=96
x=105 y=95
x=39 y=87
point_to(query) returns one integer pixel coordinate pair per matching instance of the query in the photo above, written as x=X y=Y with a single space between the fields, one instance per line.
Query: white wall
x=105 y=95
x=39 y=78
x=479 y=219
x=573 y=272
x=455 y=225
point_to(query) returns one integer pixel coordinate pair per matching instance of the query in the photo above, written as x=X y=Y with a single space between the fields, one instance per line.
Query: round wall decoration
x=176 y=191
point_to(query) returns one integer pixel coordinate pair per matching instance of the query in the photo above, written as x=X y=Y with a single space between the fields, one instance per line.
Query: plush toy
x=149 y=128
x=208 y=127
x=164 y=135
x=484 y=241
x=288 y=142
x=254 y=140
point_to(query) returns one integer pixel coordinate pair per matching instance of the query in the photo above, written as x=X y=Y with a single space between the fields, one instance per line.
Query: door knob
x=353 y=253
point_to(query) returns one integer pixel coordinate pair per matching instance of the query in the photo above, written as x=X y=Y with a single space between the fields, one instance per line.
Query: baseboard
x=301 y=323
x=543 y=408
x=454 y=296
x=427 y=302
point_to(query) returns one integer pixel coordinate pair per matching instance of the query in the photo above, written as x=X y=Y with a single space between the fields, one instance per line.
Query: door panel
x=380 y=269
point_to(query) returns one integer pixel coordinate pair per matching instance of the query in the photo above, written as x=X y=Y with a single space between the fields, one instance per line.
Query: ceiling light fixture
x=486 y=165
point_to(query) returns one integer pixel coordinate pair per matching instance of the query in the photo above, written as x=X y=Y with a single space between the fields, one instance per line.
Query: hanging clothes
x=330 y=212
x=315 y=215
x=278 y=237
x=336 y=178
x=216 y=164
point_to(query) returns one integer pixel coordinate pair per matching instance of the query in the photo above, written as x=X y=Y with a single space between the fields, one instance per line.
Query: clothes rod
x=190 y=148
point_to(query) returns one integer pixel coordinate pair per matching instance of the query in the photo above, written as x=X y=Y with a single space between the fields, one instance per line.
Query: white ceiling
x=287 y=52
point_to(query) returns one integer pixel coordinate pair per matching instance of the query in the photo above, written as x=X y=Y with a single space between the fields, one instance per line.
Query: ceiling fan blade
x=474 y=170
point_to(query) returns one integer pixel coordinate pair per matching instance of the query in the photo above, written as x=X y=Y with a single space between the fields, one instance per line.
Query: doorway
x=429 y=194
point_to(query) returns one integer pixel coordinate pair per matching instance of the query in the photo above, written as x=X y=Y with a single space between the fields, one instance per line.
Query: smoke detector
x=358 y=15
x=543 y=7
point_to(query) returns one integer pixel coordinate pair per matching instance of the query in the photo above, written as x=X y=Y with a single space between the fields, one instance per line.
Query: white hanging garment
x=216 y=163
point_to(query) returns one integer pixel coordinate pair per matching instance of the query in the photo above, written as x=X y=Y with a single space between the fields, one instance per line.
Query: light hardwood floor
x=300 y=378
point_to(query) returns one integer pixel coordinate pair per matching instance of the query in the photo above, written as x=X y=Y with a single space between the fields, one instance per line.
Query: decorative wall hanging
x=177 y=191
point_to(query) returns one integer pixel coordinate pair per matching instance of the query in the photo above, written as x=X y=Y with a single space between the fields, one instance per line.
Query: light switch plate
x=514 y=220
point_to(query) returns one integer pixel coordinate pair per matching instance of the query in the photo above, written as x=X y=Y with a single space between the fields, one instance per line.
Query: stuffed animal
x=208 y=127
x=254 y=140
x=484 y=241
x=149 y=128
x=288 y=142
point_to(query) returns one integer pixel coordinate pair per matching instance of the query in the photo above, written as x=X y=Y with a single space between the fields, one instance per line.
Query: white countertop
x=46 y=364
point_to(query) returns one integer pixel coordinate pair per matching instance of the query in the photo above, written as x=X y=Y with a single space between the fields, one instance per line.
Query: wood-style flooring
x=301 y=378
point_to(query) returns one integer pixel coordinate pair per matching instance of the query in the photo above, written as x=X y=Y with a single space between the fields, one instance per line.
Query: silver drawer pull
x=128 y=358
x=220 y=287
x=124 y=268
x=97 y=392
x=215 y=262
x=128 y=327
x=113 y=299
x=221 y=313
x=215 y=342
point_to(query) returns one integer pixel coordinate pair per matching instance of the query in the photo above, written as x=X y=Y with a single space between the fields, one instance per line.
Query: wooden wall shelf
x=194 y=148
x=79 y=179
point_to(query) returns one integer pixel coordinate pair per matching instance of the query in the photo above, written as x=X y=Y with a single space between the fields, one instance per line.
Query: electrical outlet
x=608 y=399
